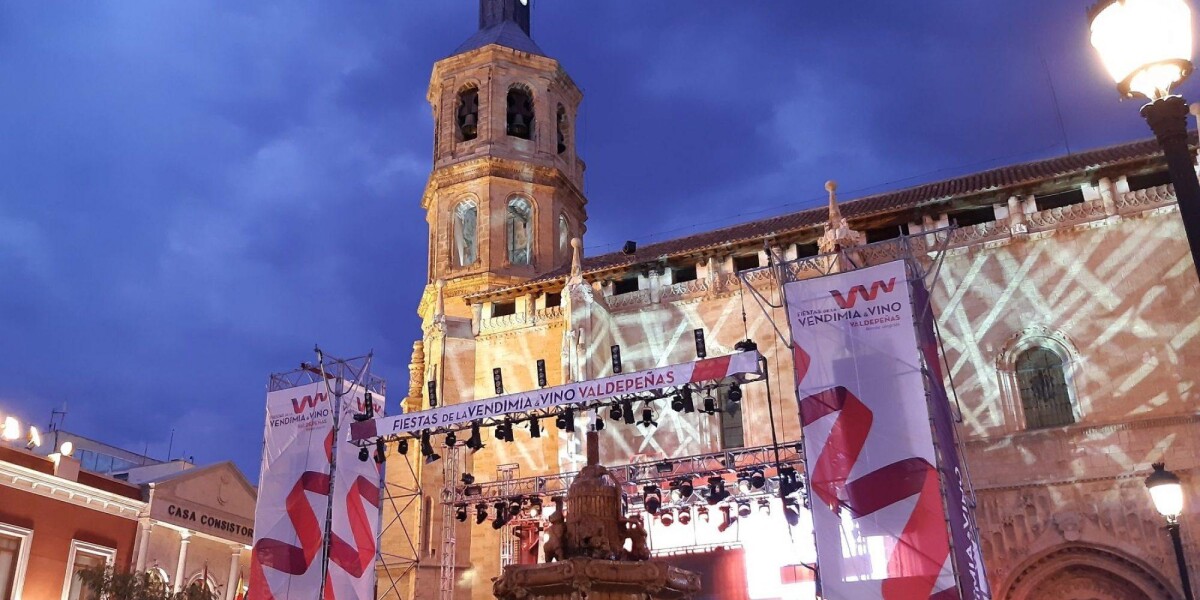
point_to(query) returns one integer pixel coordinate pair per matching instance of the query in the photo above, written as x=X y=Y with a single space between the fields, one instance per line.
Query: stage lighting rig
x=764 y=507
x=651 y=499
x=667 y=518
x=566 y=420
x=480 y=513
x=700 y=351
x=364 y=454
x=380 y=452
x=791 y=511
x=501 y=516
x=460 y=512
x=535 y=428
x=504 y=431
x=726 y=519
x=685 y=516
x=402 y=447
x=535 y=507
x=744 y=508
x=682 y=402
x=702 y=514
x=735 y=392
x=614 y=413
x=627 y=411
x=451 y=439
x=541 y=372
x=716 y=491
x=427 y=448
x=710 y=405
x=475 y=442
x=433 y=398
x=648 y=418
x=745 y=345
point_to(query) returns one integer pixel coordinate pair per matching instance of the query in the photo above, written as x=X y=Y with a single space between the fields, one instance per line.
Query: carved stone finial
x=576 y=260
x=835 y=215
x=838 y=235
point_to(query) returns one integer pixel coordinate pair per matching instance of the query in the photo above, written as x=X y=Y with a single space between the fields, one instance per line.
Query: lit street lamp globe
x=1146 y=45
x=1166 y=491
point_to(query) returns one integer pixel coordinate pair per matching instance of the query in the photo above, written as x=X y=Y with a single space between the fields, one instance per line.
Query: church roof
x=993 y=180
x=507 y=34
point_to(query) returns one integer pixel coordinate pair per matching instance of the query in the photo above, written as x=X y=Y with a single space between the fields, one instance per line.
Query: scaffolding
x=449 y=552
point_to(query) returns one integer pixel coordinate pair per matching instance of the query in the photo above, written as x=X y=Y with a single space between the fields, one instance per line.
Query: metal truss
x=580 y=408
x=449 y=576
x=769 y=460
x=391 y=568
x=351 y=369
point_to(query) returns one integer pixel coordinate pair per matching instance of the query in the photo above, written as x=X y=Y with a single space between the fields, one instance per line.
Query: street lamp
x=1167 y=493
x=1146 y=45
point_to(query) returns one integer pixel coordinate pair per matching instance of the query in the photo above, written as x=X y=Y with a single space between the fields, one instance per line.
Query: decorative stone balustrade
x=620 y=301
x=1066 y=216
x=1146 y=199
x=686 y=289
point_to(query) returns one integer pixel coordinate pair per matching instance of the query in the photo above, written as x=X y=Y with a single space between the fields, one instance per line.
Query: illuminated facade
x=1061 y=307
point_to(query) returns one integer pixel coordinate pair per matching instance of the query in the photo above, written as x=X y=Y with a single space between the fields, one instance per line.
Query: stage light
x=716 y=490
x=66 y=448
x=501 y=518
x=702 y=514
x=451 y=439
x=475 y=442
x=664 y=467
x=700 y=351
x=535 y=507
x=468 y=479
x=12 y=429
x=514 y=506
x=726 y=519
x=480 y=513
x=667 y=518
x=651 y=498
x=764 y=507
x=535 y=428
x=368 y=406
x=627 y=411
x=744 y=483
x=614 y=413
x=598 y=423
x=648 y=418
x=541 y=372
x=758 y=480
x=710 y=405
x=433 y=398
x=616 y=358
x=789 y=481
x=743 y=508
x=427 y=448
x=380 y=451
x=504 y=431
x=566 y=420
x=363 y=454
x=685 y=516
x=677 y=404
x=402 y=446
x=498 y=381
x=735 y=392
x=745 y=345
x=34 y=438
x=791 y=511
x=460 y=512
x=685 y=488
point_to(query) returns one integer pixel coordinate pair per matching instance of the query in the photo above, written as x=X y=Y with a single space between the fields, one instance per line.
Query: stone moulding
x=595 y=580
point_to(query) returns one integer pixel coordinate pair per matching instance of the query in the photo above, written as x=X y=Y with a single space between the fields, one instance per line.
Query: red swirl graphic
x=356 y=558
x=923 y=546
x=282 y=556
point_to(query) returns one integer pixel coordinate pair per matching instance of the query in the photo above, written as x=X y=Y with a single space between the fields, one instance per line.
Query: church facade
x=1062 y=301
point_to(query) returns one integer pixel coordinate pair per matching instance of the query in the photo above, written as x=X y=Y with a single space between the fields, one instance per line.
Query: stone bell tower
x=506 y=193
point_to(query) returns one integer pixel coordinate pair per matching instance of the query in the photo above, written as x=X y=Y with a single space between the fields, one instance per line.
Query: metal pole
x=1168 y=120
x=1173 y=529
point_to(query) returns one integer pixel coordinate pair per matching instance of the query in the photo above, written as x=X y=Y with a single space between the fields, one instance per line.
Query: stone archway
x=1086 y=573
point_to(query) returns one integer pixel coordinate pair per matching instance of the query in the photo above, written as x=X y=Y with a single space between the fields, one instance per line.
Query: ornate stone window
x=468 y=114
x=564 y=237
x=466 y=231
x=1037 y=377
x=518 y=223
x=520 y=112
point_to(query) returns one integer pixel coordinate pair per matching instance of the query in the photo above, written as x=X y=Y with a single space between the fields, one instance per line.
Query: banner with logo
x=354 y=527
x=452 y=415
x=293 y=495
x=876 y=492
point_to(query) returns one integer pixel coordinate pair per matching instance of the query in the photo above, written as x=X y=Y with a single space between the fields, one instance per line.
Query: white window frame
x=108 y=554
x=26 y=540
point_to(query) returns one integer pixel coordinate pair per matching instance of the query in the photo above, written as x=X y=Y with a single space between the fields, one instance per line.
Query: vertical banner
x=354 y=527
x=876 y=492
x=293 y=495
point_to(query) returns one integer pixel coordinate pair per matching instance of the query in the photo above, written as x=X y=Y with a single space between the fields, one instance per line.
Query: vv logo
x=849 y=299
x=302 y=404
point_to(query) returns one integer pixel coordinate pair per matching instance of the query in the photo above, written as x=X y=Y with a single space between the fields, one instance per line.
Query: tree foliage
x=107 y=583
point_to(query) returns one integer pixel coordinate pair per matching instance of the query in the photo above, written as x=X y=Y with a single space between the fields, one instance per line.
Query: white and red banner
x=293 y=495
x=452 y=415
x=874 y=483
x=302 y=447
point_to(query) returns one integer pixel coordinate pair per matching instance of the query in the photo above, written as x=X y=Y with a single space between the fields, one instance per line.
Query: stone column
x=184 y=540
x=143 y=546
x=233 y=573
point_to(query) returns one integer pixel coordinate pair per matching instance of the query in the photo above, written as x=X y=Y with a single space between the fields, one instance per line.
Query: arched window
x=519 y=224
x=468 y=113
x=562 y=129
x=466 y=228
x=1042 y=386
x=564 y=237
x=158 y=578
x=520 y=112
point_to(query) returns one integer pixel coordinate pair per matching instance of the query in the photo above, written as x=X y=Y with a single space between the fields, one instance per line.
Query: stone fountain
x=587 y=547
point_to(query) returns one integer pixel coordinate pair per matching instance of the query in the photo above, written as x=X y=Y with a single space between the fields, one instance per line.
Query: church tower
x=506 y=193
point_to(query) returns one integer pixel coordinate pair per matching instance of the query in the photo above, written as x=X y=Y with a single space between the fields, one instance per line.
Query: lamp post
x=1167 y=493
x=1146 y=45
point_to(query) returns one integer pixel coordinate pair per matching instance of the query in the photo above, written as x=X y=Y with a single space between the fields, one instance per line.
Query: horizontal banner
x=453 y=415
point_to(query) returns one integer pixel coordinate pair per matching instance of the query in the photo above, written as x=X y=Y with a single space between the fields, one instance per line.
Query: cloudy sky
x=192 y=194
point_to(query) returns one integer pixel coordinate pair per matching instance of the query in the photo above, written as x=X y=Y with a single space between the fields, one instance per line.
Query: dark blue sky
x=192 y=194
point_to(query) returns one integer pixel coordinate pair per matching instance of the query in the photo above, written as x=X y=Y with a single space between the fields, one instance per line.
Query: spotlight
x=682 y=402
x=451 y=439
x=11 y=429
x=735 y=392
x=475 y=442
x=66 y=448
x=758 y=480
x=535 y=427
x=789 y=481
x=651 y=499
x=535 y=507
x=648 y=418
x=685 y=516
x=402 y=446
x=743 y=508
x=685 y=488
x=667 y=518
x=34 y=438
x=599 y=423
x=460 y=512
x=764 y=507
x=726 y=519
x=427 y=448
x=566 y=420
x=664 y=467
x=627 y=411
x=468 y=479
x=498 y=381
x=791 y=511
x=716 y=491
x=364 y=454
x=380 y=452
x=710 y=405
x=700 y=352
x=480 y=513
x=744 y=483
x=433 y=400
x=514 y=506
x=504 y=431
x=677 y=404
x=702 y=514
x=745 y=345
x=541 y=372
x=614 y=413
x=501 y=517
x=616 y=358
